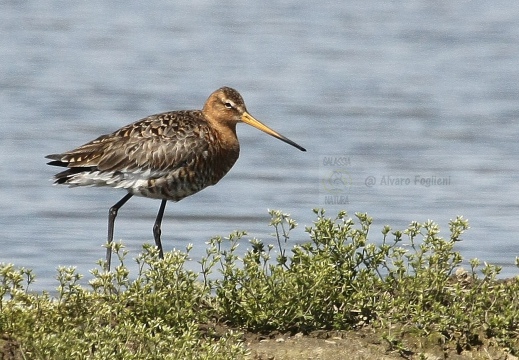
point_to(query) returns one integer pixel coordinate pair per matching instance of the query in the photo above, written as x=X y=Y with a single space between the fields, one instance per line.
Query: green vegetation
x=408 y=285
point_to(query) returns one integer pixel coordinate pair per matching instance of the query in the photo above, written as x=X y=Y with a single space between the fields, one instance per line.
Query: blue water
x=409 y=91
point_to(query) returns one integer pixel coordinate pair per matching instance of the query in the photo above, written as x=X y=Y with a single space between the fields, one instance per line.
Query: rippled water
x=421 y=90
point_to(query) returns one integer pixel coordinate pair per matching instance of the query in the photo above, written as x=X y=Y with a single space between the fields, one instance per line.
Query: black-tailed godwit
x=166 y=156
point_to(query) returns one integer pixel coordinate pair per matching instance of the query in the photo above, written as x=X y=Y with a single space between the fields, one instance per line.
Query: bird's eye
x=228 y=105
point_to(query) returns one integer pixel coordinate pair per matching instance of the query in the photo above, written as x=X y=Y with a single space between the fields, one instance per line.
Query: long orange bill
x=249 y=119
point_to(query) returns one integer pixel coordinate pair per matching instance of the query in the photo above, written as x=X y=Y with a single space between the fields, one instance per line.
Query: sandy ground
x=357 y=345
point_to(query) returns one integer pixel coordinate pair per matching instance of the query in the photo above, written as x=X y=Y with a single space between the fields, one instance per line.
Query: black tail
x=64 y=176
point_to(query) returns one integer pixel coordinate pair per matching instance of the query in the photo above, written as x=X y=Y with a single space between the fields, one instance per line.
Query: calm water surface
x=404 y=92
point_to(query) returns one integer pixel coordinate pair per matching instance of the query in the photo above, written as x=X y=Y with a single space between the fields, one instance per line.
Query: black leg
x=156 y=228
x=112 y=213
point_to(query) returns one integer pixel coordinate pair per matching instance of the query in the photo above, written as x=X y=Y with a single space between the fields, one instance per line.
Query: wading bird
x=166 y=156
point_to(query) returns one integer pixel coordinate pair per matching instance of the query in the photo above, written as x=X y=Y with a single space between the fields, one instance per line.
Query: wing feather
x=158 y=144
